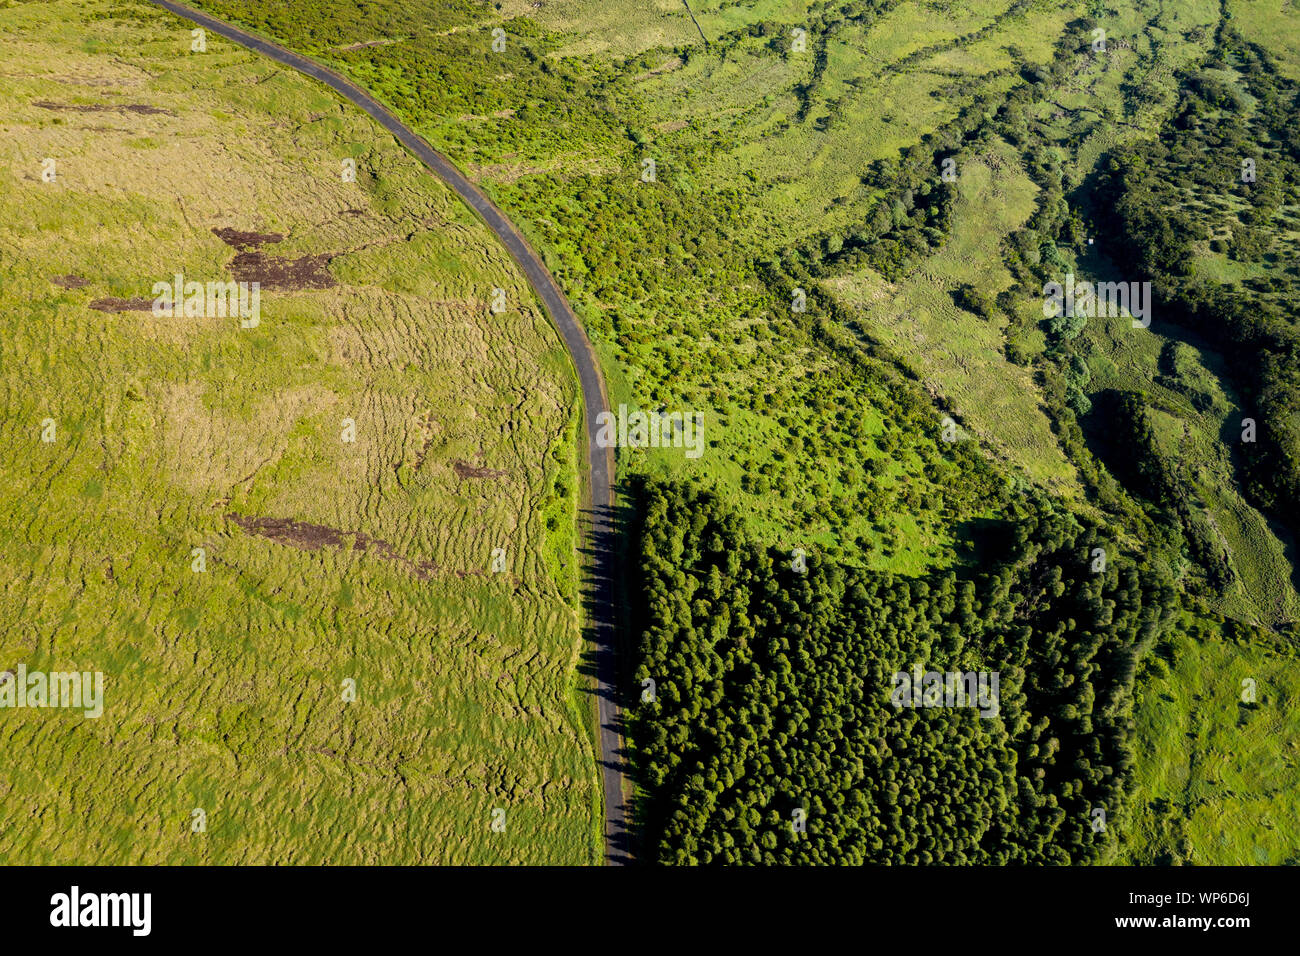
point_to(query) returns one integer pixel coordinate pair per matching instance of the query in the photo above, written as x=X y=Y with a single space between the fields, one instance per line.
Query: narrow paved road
x=600 y=530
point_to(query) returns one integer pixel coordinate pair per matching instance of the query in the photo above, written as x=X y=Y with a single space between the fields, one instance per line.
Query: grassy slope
x=1274 y=25
x=223 y=688
x=1217 y=779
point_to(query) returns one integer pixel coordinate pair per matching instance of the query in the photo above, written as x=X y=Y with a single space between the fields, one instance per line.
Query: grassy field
x=1275 y=25
x=347 y=468
x=766 y=154
x=1217 y=780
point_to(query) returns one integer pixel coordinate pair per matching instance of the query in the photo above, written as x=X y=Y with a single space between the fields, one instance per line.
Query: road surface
x=600 y=611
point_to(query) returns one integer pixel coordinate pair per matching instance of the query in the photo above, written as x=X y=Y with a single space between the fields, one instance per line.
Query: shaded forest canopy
x=772 y=694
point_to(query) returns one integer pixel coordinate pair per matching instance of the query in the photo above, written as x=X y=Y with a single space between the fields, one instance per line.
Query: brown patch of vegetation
x=299 y=534
x=113 y=304
x=245 y=240
x=143 y=109
x=70 y=282
x=465 y=470
x=274 y=272
x=306 y=536
x=280 y=273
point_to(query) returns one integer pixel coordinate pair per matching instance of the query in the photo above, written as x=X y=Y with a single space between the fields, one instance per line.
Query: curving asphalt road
x=600 y=531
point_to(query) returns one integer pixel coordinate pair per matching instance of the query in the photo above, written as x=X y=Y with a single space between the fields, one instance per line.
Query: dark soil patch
x=70 y=282
x=143 y=109
x=299 y=534
x=465 y=470
x=245 y=240
x=112 y=304
x=274 y=272
x=311 y=537
x=280 y=273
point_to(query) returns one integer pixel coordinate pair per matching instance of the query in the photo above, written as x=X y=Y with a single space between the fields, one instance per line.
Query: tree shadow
x=606 y=537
